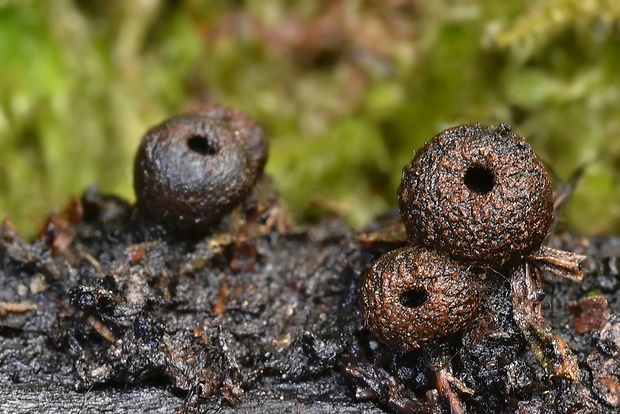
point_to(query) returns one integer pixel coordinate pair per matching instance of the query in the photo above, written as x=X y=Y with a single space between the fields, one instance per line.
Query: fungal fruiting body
x=193 y=169
x=474 y=197
x=477 y=193
x=413 y=295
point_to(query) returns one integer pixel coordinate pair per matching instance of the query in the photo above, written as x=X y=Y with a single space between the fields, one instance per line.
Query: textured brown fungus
x=193 y=169
x=413 y=295
x=478 y=193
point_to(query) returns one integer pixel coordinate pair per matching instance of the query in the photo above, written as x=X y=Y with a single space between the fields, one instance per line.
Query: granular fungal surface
x=103 y=314
x=477 y=193
x=413 y=295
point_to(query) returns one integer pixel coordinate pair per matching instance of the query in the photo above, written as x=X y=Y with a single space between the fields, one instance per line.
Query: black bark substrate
x=127 y=320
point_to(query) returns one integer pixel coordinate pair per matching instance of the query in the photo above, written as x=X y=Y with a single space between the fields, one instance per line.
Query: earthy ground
x=104 y=313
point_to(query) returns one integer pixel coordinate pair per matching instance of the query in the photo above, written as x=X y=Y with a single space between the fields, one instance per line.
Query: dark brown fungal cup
x=413 y=295
x=477 y=193
x=193 y=169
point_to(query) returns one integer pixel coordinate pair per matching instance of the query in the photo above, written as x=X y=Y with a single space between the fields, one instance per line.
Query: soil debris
x=130 y=316
x=604 y=361
x=589 y=314
x=16 y=307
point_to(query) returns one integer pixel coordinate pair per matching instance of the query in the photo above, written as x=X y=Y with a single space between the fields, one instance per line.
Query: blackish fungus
x=413 y=295
x=193 y=169
x=477 y=193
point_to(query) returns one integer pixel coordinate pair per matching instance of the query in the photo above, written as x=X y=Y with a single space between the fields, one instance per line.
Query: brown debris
x=231 y=391
x=375 y=383
x=549 y=349
x=9 y=227
x=59 y=229
x=589 y=314
x=392 y=235
x=16 y=307
x=101 y=329
x=278 y=218
x=94 y=262
x=559 y=262
x=604 y=361
x=38 y=284
x=443 y=384
x=220 y=306
x=135 y=254
x=244 y=254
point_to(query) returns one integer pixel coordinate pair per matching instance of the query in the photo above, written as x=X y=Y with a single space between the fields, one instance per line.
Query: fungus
x=193 y=169
x=413 y=295
x=477 y=193
x=473 y=195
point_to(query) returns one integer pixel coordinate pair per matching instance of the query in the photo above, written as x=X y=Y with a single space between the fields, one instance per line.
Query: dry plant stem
x=17 y=307
x=438 y=356
x=559 y=262
x=390 y=236
x=376 y=383
x=565 y=192
x=550 y=350
x=443 y=377
x=101 y=329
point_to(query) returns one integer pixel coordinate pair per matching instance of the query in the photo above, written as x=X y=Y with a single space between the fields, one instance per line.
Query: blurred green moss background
x=346 y=90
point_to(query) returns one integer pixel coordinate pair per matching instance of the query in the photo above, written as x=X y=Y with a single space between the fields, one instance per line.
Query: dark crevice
x=413 y=298
x=201 y=145
x=479 y=180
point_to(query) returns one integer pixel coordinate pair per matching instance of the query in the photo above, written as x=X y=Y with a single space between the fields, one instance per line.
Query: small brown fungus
x=477 y=193
x=193 y=169
x=413 y=295
x=473 y=199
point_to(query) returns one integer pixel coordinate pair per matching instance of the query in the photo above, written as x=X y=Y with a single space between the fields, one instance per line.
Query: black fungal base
x=126 y=321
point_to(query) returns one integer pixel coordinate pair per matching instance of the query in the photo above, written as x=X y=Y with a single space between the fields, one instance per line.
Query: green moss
x=345 y=90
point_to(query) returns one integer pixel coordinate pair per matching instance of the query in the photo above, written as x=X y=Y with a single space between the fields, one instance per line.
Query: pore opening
x=200 y=145
x=413 y=298
x=479 y=180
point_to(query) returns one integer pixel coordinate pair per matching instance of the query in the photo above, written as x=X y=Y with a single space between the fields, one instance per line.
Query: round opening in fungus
x=479 y=180
x=201 y=145
x=413 y=298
